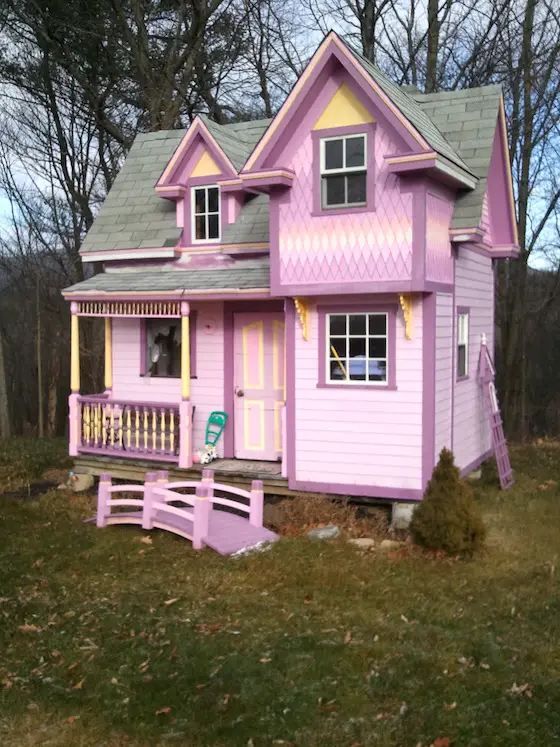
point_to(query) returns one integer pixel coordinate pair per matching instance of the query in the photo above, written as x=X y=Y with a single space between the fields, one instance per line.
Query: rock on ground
x=363 y=543
x=324 y=532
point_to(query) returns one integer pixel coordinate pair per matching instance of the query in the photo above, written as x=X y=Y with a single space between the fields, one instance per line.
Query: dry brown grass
x=295 y=516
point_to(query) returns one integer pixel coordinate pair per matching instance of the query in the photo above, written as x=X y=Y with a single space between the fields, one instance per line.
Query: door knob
x=239 y=392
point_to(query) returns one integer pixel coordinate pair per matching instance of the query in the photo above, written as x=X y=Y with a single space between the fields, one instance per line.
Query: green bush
x=448 y=518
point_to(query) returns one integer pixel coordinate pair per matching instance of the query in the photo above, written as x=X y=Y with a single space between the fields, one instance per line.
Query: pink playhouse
x=322 y=283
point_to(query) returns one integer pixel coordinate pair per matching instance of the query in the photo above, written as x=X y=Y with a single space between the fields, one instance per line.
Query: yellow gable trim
x=206 y=166
x=343 y=110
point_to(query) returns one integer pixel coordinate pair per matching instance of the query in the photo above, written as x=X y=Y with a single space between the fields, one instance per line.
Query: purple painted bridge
x=205 y=512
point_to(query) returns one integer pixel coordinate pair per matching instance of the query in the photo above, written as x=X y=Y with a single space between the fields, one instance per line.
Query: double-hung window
x=462 y=344
x=357 y=348
x=343 y=171
x=205 y=213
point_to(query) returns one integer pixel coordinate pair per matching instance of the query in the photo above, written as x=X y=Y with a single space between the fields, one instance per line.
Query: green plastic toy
x=215 y=427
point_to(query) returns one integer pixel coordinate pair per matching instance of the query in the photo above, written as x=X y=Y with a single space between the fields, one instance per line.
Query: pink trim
x=316 y=136
x=453 y=350
x=409 y=166
x=428 y=387
x=463 y=310
x=92 y=255
x=144 y=456
x=290 y=314
x=372 y=306
x=256 y=505
x=185 y=435
x=366 y=287
x=186 y=237
x=73 y=423
x=475 y=464
x=419 y=191
x=365 y=491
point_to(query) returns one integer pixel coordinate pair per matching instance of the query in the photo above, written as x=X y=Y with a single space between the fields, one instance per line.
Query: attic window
x=205 y=213
x=343 y=171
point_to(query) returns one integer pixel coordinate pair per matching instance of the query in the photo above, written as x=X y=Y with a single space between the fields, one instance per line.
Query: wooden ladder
x=487 y=374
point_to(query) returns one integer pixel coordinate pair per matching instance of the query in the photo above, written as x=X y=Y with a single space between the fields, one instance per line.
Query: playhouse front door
x=258 y=384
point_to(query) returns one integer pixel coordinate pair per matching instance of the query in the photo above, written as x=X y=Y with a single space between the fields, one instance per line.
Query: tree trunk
x=5 y=430
x=433 y=45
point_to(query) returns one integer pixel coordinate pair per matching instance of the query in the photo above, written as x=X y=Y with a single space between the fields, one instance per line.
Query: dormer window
x=205 y=203
x=343 y=171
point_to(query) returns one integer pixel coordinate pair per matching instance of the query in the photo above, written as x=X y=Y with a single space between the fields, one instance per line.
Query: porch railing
x=131 y=429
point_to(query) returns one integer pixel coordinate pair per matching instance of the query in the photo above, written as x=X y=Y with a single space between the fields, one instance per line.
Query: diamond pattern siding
x=372 y=246
x=439 y=261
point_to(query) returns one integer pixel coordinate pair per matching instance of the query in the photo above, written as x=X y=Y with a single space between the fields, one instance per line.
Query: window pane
x=213 y=226
x=377 y=370
x=356 y=188
x=213 y=200
x=338 y=344
x=333 y=190
x=357 y=369
x=357 y=347
x=355 y=152
x=378 y=347
x=337 y=324
x=377 y=324
x=200 y=201
x=333 y=154
x=200 y=226
x=358 y=324
x=462 y=360
x=163 y=348
x=338 y=370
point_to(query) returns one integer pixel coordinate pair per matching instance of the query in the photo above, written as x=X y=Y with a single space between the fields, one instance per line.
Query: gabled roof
x=252 y=224
x=237 y=140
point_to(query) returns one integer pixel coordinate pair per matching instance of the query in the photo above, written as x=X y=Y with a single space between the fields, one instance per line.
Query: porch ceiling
x=251 y=276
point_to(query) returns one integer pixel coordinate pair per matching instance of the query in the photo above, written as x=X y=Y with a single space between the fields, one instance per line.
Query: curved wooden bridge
x=225 y=518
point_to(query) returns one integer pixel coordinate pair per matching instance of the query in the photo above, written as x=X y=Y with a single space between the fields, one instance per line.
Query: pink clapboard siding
x=360 y=436
x=439 y=259
x=474 y=290
x=443 y=371
x=207 y=390
x=350 y=247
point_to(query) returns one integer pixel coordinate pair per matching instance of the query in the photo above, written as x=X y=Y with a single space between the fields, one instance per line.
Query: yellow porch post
x=108 y=354
x=75 y=350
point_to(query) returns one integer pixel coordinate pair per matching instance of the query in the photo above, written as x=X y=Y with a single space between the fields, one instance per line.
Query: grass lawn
x=107 y=640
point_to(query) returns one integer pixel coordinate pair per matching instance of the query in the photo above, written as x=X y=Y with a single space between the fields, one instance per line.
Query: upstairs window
x=462 y=344
x=205 y=213
x=343 y=172
x=357 y=348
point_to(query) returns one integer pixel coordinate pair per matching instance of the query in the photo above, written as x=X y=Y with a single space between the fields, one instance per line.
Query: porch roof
x=250 y=276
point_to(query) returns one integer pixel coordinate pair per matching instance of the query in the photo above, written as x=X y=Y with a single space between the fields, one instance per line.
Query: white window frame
x=206 y=214
x=344 y=171
x=363 y=382
x=463 y=341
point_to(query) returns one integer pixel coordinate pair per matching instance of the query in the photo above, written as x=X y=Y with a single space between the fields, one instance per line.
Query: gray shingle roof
x=467 y=119
x=252 y=224
x=237 y=140
x=133 y=216
x=252 y=274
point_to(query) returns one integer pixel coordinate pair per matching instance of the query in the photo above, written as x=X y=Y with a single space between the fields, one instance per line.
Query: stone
x=79 y=482
x=387 y=544
x=475 y=475
x=402 y=516
x=323 y=533
x=363 y=543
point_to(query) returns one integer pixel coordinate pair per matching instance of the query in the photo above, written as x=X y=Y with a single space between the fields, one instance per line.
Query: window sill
x=174 y=378
x=351 y=387
x=463 y=378
x=323 y=212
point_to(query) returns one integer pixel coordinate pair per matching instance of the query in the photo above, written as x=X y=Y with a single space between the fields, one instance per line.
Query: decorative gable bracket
x=406 y=306
x=302 y=308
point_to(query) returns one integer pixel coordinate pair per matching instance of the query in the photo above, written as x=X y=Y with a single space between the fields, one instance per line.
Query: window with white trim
x=205 y=213
x=357 y=349
x=343 y=171
x=462 y=344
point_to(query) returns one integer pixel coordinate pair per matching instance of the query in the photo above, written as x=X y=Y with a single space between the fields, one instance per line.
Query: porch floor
x=234 y=472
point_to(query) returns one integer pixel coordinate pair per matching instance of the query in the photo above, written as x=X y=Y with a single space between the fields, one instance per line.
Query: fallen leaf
x=171 y=601
x=38 y=563
x=201 y=686
x=165 y=709
x=71 y=719
x=73 y=666
x=114 y=681
x=265 y=661
x=483 y=665
x=442 y=742
x=348 y=637
x=146 y=540
x=404 y=619
x=148 y=678
x=450 y=706
x=307 y=599
x=79 y=685
x=28 y=628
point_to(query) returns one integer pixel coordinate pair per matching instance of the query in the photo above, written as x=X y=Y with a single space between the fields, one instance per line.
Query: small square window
x=162 y=347
x=357 y=348
x=343 y=171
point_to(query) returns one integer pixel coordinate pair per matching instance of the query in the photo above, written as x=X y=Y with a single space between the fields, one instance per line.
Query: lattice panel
x=374 y=245
x=130 y=308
